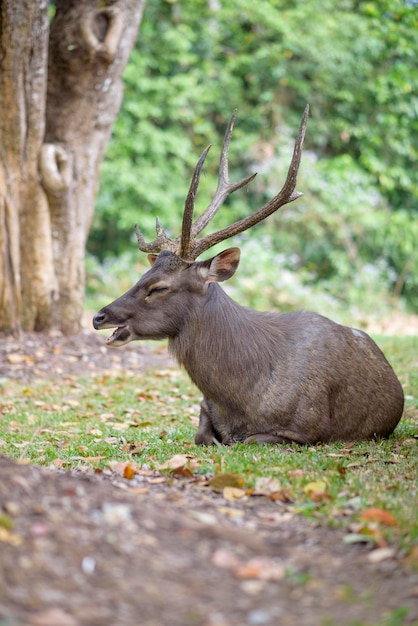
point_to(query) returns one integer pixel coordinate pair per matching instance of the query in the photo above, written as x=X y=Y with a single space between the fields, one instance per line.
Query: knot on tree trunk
x=102 y=31
x=55 y=168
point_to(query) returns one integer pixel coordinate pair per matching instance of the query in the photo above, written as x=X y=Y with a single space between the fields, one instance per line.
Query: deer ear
x=222 y=266
x=152 y=258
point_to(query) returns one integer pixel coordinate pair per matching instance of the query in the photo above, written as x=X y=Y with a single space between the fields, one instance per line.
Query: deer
x=266 y=377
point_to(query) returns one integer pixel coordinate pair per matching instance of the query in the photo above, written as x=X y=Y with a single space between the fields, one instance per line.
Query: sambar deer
x=265 y=377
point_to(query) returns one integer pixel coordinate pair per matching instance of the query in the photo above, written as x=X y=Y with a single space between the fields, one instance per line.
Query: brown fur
x=265 y=377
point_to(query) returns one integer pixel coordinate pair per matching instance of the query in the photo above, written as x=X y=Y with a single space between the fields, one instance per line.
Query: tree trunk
x=22 y=85
x=57 y=108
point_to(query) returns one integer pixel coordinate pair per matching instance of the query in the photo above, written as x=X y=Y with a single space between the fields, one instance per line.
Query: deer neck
x=218 y=343
x=211 y=330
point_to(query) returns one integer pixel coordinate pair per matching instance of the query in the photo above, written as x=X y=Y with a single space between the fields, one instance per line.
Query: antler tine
x=286 y=194
x=162 y=242
x=189 y=207
x=224 y=188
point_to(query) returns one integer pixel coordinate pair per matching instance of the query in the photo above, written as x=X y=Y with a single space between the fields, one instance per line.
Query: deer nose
x=98 y=320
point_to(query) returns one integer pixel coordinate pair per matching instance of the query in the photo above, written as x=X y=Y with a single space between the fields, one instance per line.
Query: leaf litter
x=170 y=532
x=181 y=541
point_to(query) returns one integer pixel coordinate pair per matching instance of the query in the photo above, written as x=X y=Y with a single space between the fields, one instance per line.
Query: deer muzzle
x=120 y=336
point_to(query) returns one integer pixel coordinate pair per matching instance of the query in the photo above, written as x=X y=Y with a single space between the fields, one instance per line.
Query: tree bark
x=23 y=40
x=58 y=103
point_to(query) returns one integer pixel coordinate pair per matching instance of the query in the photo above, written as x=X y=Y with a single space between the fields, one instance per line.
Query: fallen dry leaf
x=369 y=532
x=161 y=373
x=129 y=471
x=185 y=471
x=94 y=431
x=176 y=462
x=277 y=517
x=316 y=486
x=379 y=515
x=265 y=486
x=233 y=493
x=111 y=439
x=358 y=538
x=158 y=480
x=137 y=449
x=59 y=463
x=89 y=459
x=220 y=481
x=139 y=490
x=104 y=417
x=335 y=455
x=261 y=568
x=281 y=496
x=230 y=512
x=7 y=536
x=204 y=518
x=19 y=358
x=381 y=554
x=297 y=473
x=317 y=490
x=257 y=568
x=149 y=472
x=120 y=426
x=120 y=467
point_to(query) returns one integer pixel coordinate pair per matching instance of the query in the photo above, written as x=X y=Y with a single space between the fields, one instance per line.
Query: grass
x=395 y=618
x=78 y=423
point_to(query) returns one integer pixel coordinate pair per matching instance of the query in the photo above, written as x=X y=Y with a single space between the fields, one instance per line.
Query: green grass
x=92 y=422
x=394 y=618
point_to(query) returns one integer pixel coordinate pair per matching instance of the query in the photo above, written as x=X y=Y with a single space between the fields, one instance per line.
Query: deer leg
x=285 y=436
x=206 y=434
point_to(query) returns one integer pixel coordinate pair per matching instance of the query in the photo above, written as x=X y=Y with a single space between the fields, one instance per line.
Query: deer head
x=175 y=274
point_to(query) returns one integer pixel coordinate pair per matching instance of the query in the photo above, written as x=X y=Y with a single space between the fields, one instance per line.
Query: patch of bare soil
x=84 y=550
x=53 y=355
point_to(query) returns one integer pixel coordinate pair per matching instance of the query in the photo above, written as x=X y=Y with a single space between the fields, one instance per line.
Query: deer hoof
x=263 y=438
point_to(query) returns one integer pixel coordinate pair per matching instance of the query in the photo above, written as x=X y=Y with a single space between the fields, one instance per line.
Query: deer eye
x=157 y=289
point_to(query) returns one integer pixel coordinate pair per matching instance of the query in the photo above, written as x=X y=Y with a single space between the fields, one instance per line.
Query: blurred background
x=348 y=247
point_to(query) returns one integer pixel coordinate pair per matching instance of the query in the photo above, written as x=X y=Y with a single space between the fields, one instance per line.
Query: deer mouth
x=119 y=337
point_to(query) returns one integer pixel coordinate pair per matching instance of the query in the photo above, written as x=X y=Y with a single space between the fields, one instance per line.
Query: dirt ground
x=97 y=549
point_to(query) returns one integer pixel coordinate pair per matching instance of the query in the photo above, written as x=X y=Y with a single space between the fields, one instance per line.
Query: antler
x=187 y=246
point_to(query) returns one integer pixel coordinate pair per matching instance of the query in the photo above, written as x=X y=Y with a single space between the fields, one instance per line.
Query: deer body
x=265 y=377
x=291 y=377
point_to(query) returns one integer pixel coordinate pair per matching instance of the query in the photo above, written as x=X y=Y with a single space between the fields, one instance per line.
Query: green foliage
x=355 y=62
x=336 y=250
